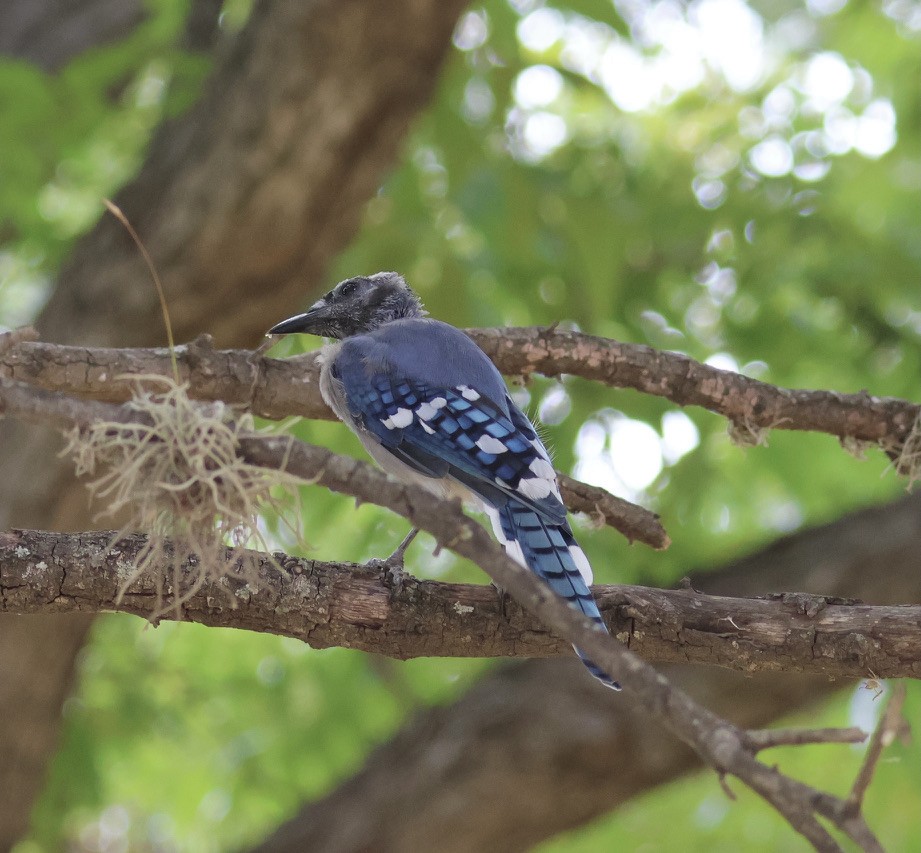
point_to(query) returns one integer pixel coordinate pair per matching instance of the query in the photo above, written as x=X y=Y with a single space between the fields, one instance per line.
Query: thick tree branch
x=722 y=745
x=274 y=388
x=343 y=604
x=270 y=388
x=244 y=199
x=242 y=202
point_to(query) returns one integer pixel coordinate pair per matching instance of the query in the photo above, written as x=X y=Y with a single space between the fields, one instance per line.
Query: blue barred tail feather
x=552 y=553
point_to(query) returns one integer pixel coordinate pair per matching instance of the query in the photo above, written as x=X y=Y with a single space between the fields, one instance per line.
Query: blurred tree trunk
x=242 y=202
x=537 y=748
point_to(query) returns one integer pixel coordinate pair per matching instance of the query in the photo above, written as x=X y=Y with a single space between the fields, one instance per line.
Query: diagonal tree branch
x=719 y=743
x=267 y=387
x=560 y=752
x=891 y=725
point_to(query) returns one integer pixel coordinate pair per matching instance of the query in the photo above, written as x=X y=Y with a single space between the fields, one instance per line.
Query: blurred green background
x=739 y=182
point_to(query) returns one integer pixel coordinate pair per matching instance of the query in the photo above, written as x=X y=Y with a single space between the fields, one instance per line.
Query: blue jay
x=431 y=408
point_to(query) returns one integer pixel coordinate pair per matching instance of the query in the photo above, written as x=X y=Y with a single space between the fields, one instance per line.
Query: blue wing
x=457 y=431
x=470 y=431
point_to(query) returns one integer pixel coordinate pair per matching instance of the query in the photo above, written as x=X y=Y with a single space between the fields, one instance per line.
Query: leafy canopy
x=738 y=182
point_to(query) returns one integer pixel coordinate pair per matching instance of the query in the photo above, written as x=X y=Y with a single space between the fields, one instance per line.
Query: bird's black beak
x=308 y=323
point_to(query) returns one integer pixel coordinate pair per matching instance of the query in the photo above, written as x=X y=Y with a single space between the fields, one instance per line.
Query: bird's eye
x=347 y=288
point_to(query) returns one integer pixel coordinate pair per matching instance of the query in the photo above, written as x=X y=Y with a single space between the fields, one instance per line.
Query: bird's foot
x=391 y=570
x=393 y=577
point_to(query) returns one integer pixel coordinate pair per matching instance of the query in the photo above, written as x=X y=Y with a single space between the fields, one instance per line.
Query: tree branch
x=543 y=734
x=278 y=388
x=242 y=202
x=746 y=402
x=721 y=744
x=353 y=606
x=770 y=738
x=270 y=388
x=50 y=33
x=274 y=389
x=891 y=725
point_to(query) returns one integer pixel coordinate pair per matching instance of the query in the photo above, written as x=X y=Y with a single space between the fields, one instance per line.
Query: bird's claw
x=393 y=577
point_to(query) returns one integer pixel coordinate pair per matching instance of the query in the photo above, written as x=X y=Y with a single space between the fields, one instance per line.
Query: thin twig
x=889 y=726
x=768 y=738
x=117 y=212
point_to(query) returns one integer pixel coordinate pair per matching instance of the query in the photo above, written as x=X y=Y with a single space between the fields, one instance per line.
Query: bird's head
x=356 y=306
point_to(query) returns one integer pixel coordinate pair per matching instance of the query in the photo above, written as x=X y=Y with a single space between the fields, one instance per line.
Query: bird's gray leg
x=502 y=597
x=397 y=556
x=391 y=569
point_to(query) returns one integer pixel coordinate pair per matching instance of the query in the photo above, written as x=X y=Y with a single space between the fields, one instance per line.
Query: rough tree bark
x=242 y=202
x=329 y=604
x=536 y=748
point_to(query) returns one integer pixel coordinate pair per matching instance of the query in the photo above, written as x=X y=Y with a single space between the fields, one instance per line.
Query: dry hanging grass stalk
x=907 y=458
x=176 y=474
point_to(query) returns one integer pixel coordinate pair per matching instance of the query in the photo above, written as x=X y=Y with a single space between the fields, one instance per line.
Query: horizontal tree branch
x=747 y=403
x=278 y=388
x=770 y=738
x=270 y=388
x=354 y=606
